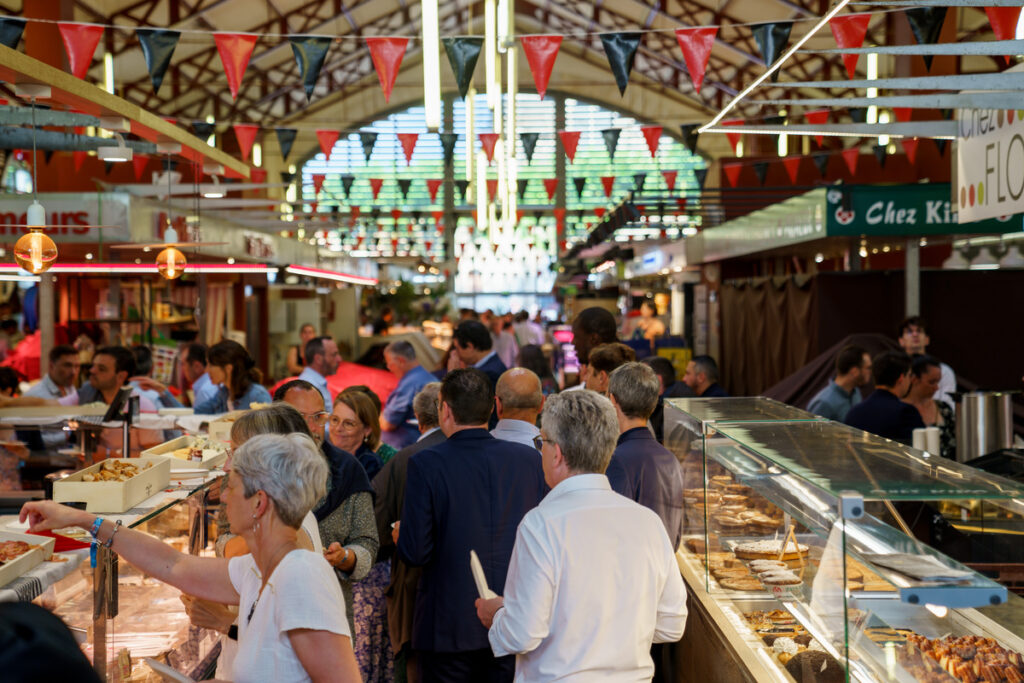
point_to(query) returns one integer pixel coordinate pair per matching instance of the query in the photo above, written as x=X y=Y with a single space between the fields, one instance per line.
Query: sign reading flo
x=990 y=163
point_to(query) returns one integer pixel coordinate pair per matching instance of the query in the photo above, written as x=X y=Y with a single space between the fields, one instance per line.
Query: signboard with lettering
x=990 y=163
x=72 y=213
x=903 y=210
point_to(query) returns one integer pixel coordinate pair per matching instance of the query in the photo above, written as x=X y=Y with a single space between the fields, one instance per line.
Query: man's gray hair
x=636 y=388
x=584 y=424
x=289 y=468
x=401 y=348
x=514 y=400
x=277 y=418
x=424 y=405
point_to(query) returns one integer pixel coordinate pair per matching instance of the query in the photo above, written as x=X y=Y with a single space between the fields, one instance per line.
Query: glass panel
x=740 y=409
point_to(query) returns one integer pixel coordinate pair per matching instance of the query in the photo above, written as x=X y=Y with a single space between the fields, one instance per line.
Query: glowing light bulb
x=35 y=252
x=170 y=263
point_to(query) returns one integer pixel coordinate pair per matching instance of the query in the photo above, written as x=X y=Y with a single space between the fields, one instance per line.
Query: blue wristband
x=94 y=530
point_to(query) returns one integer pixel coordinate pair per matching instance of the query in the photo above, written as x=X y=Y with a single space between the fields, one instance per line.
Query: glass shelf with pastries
x=859 y=584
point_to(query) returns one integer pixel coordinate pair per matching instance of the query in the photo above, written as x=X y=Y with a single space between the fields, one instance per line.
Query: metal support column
x=450 y=219
x=560 y=169
x=47 y=313
x=912 y=278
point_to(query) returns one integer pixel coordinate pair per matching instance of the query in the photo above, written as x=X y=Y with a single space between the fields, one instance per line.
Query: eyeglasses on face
x=319 y=418
x=539 y=441
x=347 y=425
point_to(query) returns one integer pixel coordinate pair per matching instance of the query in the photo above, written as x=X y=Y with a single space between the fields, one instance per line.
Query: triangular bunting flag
x=461 y=185
x=761 y=170
x=851 y=156
x=521 y=185
x=327 y=138
x=849 y=31
x=529 y=141
x=80 y=41
x=772 y=38
x=492 y=188
x=408 y=141
x=463 y=53
x=609 y=183
x=818 y=117
x=639 y=179
x=487 y=142
x=375 y=185
x=285 y=140
x=652 y=134
x=367 y=140
x=670 y=179
x=318 y=182
x=550 y=185
x=310 y=52
x=880 y=154
x=108 y=166
x=235 y=49
x=448 y=146
x=940 y=144
x=902 y=114
x=734 y=138
x=732 y=172
x=47 y=155
x=258 y=175
x=611 y=140
x=570 y=138
x=11 y=30
x=438 y=217
x=792 y=165
x=157 y=48
x=287 y=178
x=78 y=156
x=203 y=130
x=387 y=56
x=910 y=148
x=690 y=135
x=433 y=184
x=541 y=52
x=346 y=186
x=620 y=48
x=700 y=175
x=599 y=211
x=858 y=114
x=403 y=186
x=926 y=24
x=245 y=133
x=580 y=184
x=559 y=219
x=139 y=162
x=821 y=162
x=1004 y=23
x=696 y=44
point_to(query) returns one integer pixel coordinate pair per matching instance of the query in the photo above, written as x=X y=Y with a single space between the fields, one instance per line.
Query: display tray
x=114 y=496
x=42 y=551
x=220 y=429
x=212 y=457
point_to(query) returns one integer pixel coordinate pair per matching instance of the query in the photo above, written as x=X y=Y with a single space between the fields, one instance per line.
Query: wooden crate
x=114 y=496
x=9 y=571
x=211 y=457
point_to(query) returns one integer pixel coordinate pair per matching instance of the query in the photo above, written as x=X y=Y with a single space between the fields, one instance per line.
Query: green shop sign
x=911 y=210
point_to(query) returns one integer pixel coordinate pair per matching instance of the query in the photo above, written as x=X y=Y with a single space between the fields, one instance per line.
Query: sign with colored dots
x=990 y=163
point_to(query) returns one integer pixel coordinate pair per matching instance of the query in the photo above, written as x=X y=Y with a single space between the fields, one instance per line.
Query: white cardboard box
x=114 y=496
x=9 y=571
x=211 y=458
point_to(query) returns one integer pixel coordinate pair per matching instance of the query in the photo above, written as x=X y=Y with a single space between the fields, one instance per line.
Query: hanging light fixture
x=35 y=251
x=170 y=263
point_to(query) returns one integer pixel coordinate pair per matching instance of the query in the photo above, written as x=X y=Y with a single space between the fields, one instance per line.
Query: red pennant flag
x=664 y=234
x=408 y=141
x=732 y=172
x=696 y=45
x=570 y=138
x=670 y=179
x=488 y=141
x=653 y=135
x=314 y=204
x=681 y=203
x=851 y=156
x=359 y=240
x=327 y=138
x=139 y=161
x=432 y=186
x=438 y=216
x=1004 y=23
x=849 y=31
x=258 y=175
x=394 y=244
x=235 y=49
x=599 y=211
x=387 y=56
x=353 y=215
x=792 y=165
x=428 y=244
x=519 y=216
x=609 y=182
x=910 y=147
x=817 y=117
x=318 y=182
x=492 y=188
x=396 y=215
x=79 y=156
x=551 y=184
x=734 y=138
x=245 y=133
x=80 y=41
x=375 y=185
x=902 y=113
x=541 y=52
x=559 y=219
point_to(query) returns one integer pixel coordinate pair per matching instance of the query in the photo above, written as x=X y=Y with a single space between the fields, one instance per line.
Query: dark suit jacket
x=493 y=368
x=715 y=391
x=643 y=470
x=468 y=493
x=884 y=414
x=389 y=485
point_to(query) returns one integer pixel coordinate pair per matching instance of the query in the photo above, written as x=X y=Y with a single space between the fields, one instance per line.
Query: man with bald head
x=518 y=400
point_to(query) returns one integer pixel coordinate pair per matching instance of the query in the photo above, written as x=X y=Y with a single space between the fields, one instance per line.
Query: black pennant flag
x=774 y=120
x=368 y=140
x=202 y=129
x=940 y=144
x=858 y=114
x=157 y=47
x=310 y=52
x=620 y=48
x=287 y=177
x=108 y=166
x=529 y=144
x=771 y=40
x=700 y=175
x=580 y=183
x=47 y=155
x=403 y=186
x=690 y=135
x=761 y=170
x=462 y=55
x=375 y=214
x=11 y=29
x=821 y=161
x=880 y=154
x=285 y=139
x=521 y=185
x=926 y=23
x=638 y=181
x=611 y=140
x=461 y=186
x=448 y=147
x=346 y=183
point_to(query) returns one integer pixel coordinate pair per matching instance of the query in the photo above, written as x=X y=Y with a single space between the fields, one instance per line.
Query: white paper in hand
x=478 y=576
x=166 y=672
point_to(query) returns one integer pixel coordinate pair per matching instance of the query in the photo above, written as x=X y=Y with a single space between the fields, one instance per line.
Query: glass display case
x=803 y=543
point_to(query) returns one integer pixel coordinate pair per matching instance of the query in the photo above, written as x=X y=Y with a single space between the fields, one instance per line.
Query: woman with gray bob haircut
x=281 y=590
x=583 y=424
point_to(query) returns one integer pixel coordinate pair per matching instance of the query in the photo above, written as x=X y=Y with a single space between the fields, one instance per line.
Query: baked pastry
x=782 y=577
x=770 y=550
x=767 y=565
x=748 y=583
x=785 y=648
x=815 y=666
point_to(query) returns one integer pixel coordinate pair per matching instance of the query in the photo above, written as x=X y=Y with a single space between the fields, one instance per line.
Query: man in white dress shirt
x=566 y=612
x=322 y=360
x=518 y=399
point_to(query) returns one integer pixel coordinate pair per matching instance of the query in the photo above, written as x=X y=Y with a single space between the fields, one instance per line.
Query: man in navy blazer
x=474 y=347
x=468 y=493
x=883 y=412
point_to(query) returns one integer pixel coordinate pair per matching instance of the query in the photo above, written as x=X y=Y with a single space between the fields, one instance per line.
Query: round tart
x=769 y=550
x=741 y=584
x=767 y=565
x=780 y=578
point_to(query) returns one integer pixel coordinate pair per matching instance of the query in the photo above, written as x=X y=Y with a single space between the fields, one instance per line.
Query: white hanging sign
x=73 y=213
x=990 y=163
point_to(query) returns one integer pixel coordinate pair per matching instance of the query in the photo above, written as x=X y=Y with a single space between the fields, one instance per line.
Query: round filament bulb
x=35 y=252
x=170 y=263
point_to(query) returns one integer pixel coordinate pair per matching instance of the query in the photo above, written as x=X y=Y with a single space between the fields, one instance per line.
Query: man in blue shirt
x=193 y=366
x=322 y=359
x=853 y=370
x=518 y=401
x=883 y=412
x=397 y=428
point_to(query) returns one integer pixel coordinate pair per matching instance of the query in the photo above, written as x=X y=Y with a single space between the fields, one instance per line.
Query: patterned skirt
x=370 y=640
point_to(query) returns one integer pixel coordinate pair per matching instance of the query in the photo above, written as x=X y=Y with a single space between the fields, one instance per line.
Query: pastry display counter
x=796 y=553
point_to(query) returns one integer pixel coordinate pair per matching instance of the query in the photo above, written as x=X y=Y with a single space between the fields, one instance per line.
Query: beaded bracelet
x=110 y=541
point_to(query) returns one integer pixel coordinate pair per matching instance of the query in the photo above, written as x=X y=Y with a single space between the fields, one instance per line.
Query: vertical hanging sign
x=990 y=163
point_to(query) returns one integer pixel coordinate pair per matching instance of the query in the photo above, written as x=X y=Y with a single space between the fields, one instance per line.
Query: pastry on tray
x=815 y=666
x=741 y=584
x=770 y=550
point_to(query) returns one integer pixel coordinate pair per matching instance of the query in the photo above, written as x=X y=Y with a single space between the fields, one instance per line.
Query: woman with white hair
x=292 y=625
